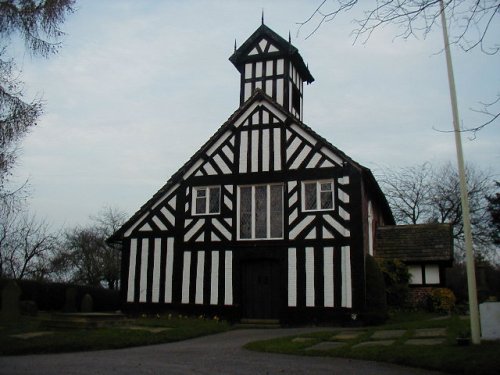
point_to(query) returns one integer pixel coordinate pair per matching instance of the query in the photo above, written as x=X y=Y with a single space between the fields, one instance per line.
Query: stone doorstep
x=433 y=341
x=388 y=334
x=149 y=329
x=326 y=345
x=430 y=332
x=30 y=335
x=374 y=343
x=347 y=335
x=302 y=339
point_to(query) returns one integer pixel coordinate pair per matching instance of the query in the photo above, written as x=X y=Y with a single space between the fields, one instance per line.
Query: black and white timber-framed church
x=267 y=220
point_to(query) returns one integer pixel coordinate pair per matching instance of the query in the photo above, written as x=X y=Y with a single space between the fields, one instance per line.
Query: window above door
x=317 y=195
x=206 y=200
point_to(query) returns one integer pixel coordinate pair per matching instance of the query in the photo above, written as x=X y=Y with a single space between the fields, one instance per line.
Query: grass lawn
x=141 y=331
x=447 y=356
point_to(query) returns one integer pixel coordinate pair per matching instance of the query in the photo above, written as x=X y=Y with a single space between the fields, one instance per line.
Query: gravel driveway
x=216 y=354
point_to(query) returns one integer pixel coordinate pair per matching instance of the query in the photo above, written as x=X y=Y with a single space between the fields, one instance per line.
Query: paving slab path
x=216 y=354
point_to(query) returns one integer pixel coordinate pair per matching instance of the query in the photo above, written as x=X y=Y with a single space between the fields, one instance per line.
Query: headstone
x=70 y=301
x=10 y=301
x=490 y=320
x=87 y=304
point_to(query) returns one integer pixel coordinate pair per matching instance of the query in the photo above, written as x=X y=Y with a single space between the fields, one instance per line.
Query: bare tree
x=427 y=194
x=37 y=23
x=471 y=23
x=84 y=256
x=26 y=244
x=408 y=191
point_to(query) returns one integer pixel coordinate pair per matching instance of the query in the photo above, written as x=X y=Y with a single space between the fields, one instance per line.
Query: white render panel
x=255 y=118
x=166 y=213
x=193 y=168
x=248 y=70
x=155 y=296
x=228 y=278
x=269 y=87
x=280 y=66
x=310 y=277
x=146 y=228
x=243 y=151
x=309 y=138
x=346 y=277
x=279 y=91
x=327 y=235
x=344 y=180
x=331 y=155
x=248 y=91
x=343 y=196
x=255 y=151
x=143 y=284
x=328 y=276
x=293 y=216
x=228 y=202
x=227 y=234
x=277 y=149
x=221 y=164
x=194 y=229
x=131 y=229
x=338 y=227
x=170 y=191
x=300 y=157
x=131 y=270
x=265 y=150
x=314 y=160
x=293 y=198
x=293 y=147
x=209 y=169
x=159 y=223
x=300 y=226
x=265 y=117
x=227 y=151
x=218 y=142
x=253 y=52
x=258 y=85
x=169 y=272
x=272 y=48
x=258 y=69
x=214 y=279
x=292 y=277
x=200 y=274
x=326 y=164
x=415 y=272
x=432 y=274
x=263 y=44
x=214 y=237
x=311 y=235
x=344 y=214
x=269 y=67
x=186 y=271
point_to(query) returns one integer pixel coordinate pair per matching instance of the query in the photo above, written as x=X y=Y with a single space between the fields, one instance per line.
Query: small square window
x=317 y=195
x=206 y=200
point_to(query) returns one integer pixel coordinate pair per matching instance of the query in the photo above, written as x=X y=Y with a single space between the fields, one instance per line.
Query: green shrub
x=441 y=300
x=396 y=278
x=376 y=300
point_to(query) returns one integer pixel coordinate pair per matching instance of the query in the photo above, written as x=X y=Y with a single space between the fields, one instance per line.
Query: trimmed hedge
x=51 y=296
x=376 y=299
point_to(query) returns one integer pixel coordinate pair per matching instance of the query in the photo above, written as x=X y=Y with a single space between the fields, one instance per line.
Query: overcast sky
x=139 y=86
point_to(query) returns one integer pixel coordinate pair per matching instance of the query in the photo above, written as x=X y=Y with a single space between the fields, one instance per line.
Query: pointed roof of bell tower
x=266 y=41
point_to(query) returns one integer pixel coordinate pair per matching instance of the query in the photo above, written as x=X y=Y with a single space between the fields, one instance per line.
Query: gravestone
x=87 y=304
x=490 y=320
x=10 y=301
x=70 y=301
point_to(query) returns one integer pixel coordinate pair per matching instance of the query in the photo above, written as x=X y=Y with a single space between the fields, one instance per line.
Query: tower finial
x=234 y=45
x=262 y=17
x=289 y=37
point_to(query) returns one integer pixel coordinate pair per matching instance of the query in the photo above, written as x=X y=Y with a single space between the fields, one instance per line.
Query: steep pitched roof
x=415 y=243
x=285 y=48
x=258 y=95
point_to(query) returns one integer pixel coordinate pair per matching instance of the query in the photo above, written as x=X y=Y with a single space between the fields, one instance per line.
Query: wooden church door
x=260 y=289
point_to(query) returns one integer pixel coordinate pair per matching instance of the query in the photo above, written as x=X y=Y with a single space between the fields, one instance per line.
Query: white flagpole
x=469 y=255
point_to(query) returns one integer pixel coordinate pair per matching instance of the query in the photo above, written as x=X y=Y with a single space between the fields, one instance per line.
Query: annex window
x=317 y=195
x=260 y=212
x=206 y=200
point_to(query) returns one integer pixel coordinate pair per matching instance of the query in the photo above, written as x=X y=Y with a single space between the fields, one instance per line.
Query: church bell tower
x=268 y=62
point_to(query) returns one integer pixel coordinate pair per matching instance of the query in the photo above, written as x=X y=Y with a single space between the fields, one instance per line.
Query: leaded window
x=317 y=195
x=260 y=212
x=206 y=200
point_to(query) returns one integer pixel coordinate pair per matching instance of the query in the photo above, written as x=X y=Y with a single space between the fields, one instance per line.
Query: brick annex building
x=267 y=220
